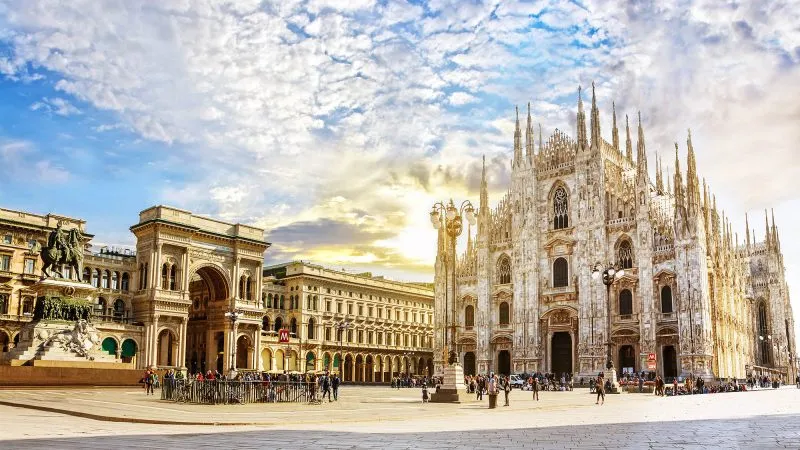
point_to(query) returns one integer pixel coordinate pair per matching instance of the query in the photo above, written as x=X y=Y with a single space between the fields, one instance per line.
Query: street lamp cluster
x=453 y=223
x=608 y=275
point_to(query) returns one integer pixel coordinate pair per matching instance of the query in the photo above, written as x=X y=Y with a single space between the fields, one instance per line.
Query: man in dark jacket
x=326 y=387
x=335 y=386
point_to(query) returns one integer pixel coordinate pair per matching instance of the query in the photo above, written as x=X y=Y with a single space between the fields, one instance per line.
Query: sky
x=335 y=124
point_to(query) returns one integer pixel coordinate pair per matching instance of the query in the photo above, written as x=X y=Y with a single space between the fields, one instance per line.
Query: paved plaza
x=379 y=417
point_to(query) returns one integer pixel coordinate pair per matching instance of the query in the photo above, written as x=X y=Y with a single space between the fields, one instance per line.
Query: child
x=424 y=393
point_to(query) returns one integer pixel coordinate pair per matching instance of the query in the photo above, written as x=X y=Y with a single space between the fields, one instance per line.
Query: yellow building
x=383 y=328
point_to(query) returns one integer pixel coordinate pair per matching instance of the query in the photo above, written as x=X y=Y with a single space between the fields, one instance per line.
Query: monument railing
x=223 y=392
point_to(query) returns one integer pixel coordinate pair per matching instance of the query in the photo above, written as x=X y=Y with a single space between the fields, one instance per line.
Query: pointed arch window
x=173 y=278
x=625 y=255
x=625 y=303
x=666 y=299
x=311 y=325
x=504 y=270
x=469 y=317
x=560 y=273
x=764 y=335
x=505 y=314
x=560 y=209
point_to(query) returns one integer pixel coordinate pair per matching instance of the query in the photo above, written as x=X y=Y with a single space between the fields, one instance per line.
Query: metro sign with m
x=283 y=335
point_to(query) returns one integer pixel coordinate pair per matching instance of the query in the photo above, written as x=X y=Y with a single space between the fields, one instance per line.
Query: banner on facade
x=651 y=357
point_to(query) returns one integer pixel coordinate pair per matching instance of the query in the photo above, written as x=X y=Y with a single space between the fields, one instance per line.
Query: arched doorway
x=469 y=363
x=370 y=370
x=310 y=362
x=279 y=361
x=129 y=349
x=266 y=360
x=167 y=348
x=627 y=359
x=348 y=368
x=359 y=368
x=110 y=346
x=242 y=353
x=504 y=362
x=561 y=353
x=670 y=362
x=205 y=342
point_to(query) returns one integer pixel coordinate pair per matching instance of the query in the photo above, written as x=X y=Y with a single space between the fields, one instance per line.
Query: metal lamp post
x=340 y=327
x=452 y=219
x=608 y=275
x=233 y=316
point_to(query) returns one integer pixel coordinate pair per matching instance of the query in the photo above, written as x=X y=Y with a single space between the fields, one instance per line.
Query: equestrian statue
x=63 y=248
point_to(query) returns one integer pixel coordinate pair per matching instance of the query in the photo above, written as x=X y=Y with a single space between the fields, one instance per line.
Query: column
x=257 y=344
x=157 y=267
x=153 y=356
x=235 y=279
x=211 y=350
x=182 y=344
x=185 y=270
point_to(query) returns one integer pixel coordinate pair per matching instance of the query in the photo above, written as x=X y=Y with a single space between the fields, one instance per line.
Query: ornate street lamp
x=341 y=326
x=234 y=316
x=452 y=219
x=608 y=275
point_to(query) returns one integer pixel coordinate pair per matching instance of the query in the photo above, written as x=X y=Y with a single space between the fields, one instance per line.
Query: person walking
x=506 y=388
x=535 y=388
x=600 y=389
x=424 y=393
x=326 y=387
x=335 y=387
x=480 y=387
x=797 y=381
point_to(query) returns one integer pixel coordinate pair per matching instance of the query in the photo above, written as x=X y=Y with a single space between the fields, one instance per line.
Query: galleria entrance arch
x=191 y=272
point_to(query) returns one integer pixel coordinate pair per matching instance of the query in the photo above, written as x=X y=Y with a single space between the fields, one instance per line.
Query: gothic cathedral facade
x=690 y=294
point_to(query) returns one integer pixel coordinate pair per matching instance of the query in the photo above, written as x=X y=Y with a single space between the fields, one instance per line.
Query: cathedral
x=687 y=297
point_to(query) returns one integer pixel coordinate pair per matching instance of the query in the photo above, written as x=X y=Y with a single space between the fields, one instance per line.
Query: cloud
x=293 y=113
x=461 y=98
x=57 y=106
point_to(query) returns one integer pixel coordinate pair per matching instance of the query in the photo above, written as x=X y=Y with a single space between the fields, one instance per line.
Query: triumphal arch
x=197 y=289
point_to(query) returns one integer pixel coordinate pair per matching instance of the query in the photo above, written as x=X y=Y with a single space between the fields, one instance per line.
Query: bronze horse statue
x=60 y=251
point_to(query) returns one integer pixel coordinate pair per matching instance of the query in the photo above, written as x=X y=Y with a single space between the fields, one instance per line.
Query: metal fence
x=221 y=392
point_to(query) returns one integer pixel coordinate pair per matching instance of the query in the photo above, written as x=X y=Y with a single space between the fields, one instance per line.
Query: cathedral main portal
x=561 y=353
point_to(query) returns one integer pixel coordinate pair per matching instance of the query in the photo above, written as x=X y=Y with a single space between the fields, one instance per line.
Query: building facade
x=691 y=294
x=382 y=328
x=22 y=235
x=194 y=295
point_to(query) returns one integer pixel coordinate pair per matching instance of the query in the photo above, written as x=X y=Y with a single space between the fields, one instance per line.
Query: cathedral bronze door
x=561 y=353
x=504 y=362
x=469 y=363
x=670 y=362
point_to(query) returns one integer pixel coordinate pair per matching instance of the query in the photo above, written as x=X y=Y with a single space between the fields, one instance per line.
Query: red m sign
x=283 y=336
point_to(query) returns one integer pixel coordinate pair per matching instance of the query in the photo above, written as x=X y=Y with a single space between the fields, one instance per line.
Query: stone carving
x=560 y=317
x=80 y=340
x=63 y=247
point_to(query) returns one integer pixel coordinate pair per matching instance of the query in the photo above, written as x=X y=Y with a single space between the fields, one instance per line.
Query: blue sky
x=336 y=124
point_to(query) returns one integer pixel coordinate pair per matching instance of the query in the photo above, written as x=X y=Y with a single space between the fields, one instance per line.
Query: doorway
x=561 y=353
x=469 y=363
x=504 y=362
x=670 y=362
x=627 y=359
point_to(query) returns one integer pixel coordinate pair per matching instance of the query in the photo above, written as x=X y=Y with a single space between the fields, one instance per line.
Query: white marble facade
x=691 y=294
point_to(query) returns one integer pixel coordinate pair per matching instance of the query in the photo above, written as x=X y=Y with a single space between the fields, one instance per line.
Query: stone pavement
x=762 y=419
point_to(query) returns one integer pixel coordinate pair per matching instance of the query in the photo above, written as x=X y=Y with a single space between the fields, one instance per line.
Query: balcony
x=626 y=318
x=668 y=317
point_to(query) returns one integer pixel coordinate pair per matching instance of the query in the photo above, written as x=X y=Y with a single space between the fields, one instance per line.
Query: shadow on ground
x=763 y=432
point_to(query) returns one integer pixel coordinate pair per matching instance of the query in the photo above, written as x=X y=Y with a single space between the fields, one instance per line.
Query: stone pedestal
x=452 y=389
x=611 y=374
x=54 y=340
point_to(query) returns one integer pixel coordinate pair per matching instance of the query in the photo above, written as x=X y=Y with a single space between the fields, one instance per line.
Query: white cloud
x=57 y=105
x=287 y=104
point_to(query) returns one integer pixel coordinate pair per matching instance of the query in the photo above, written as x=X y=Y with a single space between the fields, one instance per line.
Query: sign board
x=283 y=336
x=651 y=357
x=651 y=365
